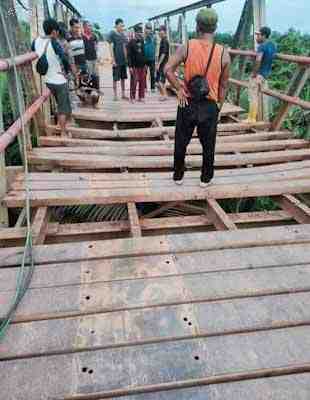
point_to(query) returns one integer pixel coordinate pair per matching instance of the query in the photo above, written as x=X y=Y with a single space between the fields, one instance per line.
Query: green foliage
x=225 y=39
x=249 y=205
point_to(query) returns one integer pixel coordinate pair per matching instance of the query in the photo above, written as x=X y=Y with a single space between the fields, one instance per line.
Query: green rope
x=25 y=274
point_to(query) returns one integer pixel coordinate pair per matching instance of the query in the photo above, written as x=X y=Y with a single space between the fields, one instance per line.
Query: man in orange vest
x=201 y=95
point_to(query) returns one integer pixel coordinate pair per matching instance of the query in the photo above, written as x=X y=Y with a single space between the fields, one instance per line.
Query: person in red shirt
x=137 y=64
x=90 y=43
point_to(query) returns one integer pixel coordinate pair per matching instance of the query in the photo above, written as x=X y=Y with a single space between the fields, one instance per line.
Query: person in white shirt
x=58 y=67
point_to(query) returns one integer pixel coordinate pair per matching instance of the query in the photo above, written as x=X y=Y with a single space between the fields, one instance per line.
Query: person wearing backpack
x=201 y=95
x=53 y=65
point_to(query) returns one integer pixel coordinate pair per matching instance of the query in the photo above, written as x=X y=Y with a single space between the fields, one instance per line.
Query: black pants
x=151 y=65
x=204 y=116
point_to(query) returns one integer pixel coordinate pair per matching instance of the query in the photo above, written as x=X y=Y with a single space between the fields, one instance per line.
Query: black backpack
x=42 y=63
x=198 y=86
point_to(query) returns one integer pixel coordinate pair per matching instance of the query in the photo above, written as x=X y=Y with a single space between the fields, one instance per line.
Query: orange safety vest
x=196 y=63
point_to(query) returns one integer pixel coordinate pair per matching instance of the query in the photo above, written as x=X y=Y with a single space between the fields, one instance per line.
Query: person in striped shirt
x=77 y=46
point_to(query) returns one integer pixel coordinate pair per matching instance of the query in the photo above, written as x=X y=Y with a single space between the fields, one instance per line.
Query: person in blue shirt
x=266 y=52
x=150 y=52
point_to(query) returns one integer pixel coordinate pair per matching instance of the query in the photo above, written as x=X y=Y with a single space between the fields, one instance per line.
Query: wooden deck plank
x=58 y=141
x=227 y=128
x=123 y=113
x=97 y=162
x=124 y=370
x=158 y=194
x=81 y=176
x=167 y=148
x=195 y=242
x=154 y=325
x=95 y=271
x=296 y=386
x=58 y=302
x=147 y=181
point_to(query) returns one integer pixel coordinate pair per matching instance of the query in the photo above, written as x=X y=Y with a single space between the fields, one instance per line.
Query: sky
x=281 y=14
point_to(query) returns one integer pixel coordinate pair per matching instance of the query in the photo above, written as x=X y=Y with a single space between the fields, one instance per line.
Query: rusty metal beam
x=182 y=10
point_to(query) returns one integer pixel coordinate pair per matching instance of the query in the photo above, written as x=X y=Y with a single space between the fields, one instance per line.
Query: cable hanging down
x=25 y=273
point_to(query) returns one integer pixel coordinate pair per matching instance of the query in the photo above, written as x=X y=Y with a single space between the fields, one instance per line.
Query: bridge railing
x=8 y=136
x=297 y=83
x=15 y=129
x=291 y=97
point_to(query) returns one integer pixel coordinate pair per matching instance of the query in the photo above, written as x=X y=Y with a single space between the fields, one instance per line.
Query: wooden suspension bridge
x=201 y=304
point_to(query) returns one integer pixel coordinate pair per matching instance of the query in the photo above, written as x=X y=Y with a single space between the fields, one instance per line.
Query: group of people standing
x=138 y=52
x=67 y=53
x=201 y=94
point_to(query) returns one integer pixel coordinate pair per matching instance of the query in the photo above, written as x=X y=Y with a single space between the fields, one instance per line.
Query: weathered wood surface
x=300 y=211
x=218 y=216
x=172 y=363
x=123 y=111
x=65 y=301
x=127 y=328
x=82 y=160
x=65 y=189
x=117 y=269
x=195 y=242
x=58 y=232
x=224 y=130
x=275 y=388
x=165 y=148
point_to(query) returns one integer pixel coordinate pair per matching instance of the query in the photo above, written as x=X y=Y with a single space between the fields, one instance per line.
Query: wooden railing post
x=4 y=216
x=297 y=84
